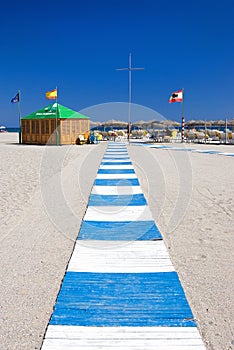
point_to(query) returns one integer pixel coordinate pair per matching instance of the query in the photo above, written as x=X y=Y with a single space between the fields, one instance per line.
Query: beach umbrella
x=200 y=122
x=209 y=122
x=220 y=122
x=92 y=123
x=139 y=123
x=191 y=122
x=157 y=125
x=113 y=122
x=167 y=122
x=149 y=124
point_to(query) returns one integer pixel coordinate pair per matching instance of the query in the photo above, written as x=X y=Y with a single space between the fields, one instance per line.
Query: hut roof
x=50 y=112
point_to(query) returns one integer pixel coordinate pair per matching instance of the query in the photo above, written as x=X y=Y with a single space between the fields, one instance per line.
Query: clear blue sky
x=77 y=45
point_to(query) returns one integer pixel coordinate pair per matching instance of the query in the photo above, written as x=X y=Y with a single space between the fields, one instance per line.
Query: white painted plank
x=120 y=257
x=127 y=338
x=226 y=154
x=116 y=190
x=115 y=160
x=128 y=166
x=116 y=176
x=109 y=156
x=117 y=146
x=118 y=213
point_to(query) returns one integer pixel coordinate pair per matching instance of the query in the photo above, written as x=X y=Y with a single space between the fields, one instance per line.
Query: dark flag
x=16 y=98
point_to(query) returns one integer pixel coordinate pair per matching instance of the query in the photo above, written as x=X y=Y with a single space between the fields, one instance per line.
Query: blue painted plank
x=116 y=150
x=118 y=200
x=209 y=152
x=110 y=158
x=116 y=182
x=116 y=155
x=119 y=231
x=122 y=299
x=116 y=171
x=115 y=163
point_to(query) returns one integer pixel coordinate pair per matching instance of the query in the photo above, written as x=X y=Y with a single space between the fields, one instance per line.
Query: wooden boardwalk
x=186 y=149
x=120 y=290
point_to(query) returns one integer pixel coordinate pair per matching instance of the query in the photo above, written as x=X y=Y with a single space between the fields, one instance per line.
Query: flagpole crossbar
x=129 y=69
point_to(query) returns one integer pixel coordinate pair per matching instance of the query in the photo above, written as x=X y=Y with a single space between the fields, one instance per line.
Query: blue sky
x=77 y=46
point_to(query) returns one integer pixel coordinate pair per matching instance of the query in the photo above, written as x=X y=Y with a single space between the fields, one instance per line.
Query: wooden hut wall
x=70 y=129
x=41 y=131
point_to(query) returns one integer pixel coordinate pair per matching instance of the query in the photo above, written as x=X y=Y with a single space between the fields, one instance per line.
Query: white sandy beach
x=44 y=194
x=191 y=198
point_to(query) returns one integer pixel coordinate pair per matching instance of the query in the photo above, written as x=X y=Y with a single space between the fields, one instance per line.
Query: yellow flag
x=51 y=95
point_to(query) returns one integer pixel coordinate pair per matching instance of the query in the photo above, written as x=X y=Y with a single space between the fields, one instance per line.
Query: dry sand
x=191 y=198
x=44 y=194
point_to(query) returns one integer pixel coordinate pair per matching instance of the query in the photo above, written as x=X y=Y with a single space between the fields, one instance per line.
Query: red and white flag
x=176 y=96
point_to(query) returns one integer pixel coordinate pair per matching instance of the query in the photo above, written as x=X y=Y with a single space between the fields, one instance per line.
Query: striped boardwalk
x=193 y=150
x=120 y=290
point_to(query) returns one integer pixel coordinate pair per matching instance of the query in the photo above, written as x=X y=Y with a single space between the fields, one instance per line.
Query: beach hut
x=40 y=127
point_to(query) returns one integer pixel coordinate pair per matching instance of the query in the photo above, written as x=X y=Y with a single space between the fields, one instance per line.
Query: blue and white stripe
x=193 y=150
x=120 y=290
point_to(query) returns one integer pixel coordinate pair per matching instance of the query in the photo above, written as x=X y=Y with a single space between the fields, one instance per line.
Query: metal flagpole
x=182 y=128
x=205 y=130
x=57 y=132
x=19 y=113
x=226 y=139
x=130 y=69
x=129 y=94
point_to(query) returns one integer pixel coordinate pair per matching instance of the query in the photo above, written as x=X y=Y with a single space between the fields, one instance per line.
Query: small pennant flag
x=51 y=95
x=176 y=96
x=16 y=98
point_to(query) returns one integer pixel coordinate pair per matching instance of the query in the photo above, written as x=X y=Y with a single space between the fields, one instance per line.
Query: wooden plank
x=127 y=338
x=122 y=299
x=125 y=256
x=118 y=166
x=116 y=171
x=119 y=231
x=110 y=213
x=116 y=190
x=116 y=156
x=116 y=161
x=116 y=176
x=117 y=200
x=116 y=182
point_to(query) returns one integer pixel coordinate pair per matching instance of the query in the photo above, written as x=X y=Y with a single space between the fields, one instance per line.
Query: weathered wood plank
x=109 y=175
x=110 y=213
x=107 y=256
x=116 y=182
x=127 y=338
x=118 y=166
x=122 y=299
x=117 y=200
x=116 y=171
x=119 y=231
x=116 y=190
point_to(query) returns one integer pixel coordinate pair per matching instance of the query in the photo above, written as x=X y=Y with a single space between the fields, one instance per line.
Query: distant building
x=40 y=126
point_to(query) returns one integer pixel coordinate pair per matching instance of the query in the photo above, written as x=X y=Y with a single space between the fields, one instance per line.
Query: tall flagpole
x=129 y=94
x=19 y=113
x=130 y=69
x=183 y=121
x=226 y=138
x=57 y=132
